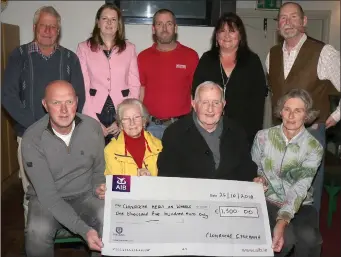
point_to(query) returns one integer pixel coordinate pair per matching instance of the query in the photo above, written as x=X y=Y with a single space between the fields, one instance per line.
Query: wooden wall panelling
x=10 y=39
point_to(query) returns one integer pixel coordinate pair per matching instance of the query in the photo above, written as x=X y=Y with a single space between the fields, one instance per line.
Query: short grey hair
x=47 y=9
x=207 y=84
x=129 y=102
x=302 y=94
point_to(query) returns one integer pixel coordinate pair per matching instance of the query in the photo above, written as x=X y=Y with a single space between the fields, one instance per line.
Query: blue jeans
x=320 y=135
x=156 y=130
x=42 y=226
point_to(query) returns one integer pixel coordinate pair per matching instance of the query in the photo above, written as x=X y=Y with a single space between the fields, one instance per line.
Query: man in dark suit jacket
x=204 y=144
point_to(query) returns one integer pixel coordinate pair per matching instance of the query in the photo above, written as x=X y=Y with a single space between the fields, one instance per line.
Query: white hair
x=46 y=9
x=129 y=102
x=208 y=84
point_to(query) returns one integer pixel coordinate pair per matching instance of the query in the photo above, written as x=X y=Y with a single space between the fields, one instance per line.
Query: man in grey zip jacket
x=63 y=155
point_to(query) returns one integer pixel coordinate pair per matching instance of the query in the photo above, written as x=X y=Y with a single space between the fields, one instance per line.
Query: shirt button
x=108 y=79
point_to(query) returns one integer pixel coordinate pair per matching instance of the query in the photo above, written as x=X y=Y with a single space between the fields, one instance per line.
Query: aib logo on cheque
x=119 y=230
x=121 y=183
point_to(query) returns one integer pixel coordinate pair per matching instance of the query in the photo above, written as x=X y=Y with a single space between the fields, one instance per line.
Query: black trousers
x=107 y=117
x=301 y=235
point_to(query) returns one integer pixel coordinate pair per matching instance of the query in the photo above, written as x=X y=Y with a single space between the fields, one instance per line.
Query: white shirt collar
x=287 y=141
x=296 y=47
x=66 y=138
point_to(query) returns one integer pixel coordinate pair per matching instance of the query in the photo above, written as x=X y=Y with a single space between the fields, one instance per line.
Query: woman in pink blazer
x=109 y=66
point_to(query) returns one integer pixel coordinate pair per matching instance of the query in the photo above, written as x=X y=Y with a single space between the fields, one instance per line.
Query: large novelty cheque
x=160 y=216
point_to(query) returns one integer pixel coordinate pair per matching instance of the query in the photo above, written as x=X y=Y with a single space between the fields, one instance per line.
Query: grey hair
x=206 y=84
x=305 y=97
x=47 y=9
x=131 y=101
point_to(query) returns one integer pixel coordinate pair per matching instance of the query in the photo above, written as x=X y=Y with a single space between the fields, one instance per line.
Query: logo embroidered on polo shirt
x=180 y=66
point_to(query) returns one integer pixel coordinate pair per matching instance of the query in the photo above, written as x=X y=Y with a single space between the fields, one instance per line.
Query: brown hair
x=119 y=41
x=162 y=11
x=302 y=94
x=234 y=22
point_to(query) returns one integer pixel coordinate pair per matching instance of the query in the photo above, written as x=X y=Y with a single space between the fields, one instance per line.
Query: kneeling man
x=63 y=155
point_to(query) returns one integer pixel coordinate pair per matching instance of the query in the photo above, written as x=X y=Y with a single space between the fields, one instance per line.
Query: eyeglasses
x=136 y=119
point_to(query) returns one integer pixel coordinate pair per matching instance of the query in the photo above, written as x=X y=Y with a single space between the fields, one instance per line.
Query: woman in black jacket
x=231 y=64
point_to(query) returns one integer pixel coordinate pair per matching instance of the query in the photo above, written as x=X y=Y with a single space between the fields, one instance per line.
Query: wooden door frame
x=324 y=15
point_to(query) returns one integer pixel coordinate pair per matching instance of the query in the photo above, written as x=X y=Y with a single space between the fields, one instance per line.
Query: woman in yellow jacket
x=135 y=151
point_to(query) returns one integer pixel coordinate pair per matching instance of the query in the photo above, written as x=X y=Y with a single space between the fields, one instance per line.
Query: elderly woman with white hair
x=288 y=157
x=135 y=151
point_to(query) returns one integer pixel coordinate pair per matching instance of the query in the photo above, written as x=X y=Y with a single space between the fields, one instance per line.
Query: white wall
x=78 y=21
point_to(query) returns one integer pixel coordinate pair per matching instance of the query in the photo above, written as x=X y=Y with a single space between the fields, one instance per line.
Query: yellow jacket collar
x=151 y=143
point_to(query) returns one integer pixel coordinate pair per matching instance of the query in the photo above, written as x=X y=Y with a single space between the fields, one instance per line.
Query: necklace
x=223 y=79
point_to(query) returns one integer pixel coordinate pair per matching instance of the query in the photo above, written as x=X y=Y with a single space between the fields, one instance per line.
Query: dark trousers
x=107 y=117
x=301 y=235
x=320 y=135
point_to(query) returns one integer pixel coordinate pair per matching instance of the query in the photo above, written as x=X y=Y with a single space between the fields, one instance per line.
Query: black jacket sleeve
x=169 y=158
x=247 y=169
x=77 y=82
x=200 y=72
x=257 y=98
x=10 y=92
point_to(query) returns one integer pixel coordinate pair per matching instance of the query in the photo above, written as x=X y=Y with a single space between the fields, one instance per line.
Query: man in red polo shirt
x=166 y=72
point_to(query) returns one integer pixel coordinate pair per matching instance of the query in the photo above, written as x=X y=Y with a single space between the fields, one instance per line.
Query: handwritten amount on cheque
x=183 y=210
